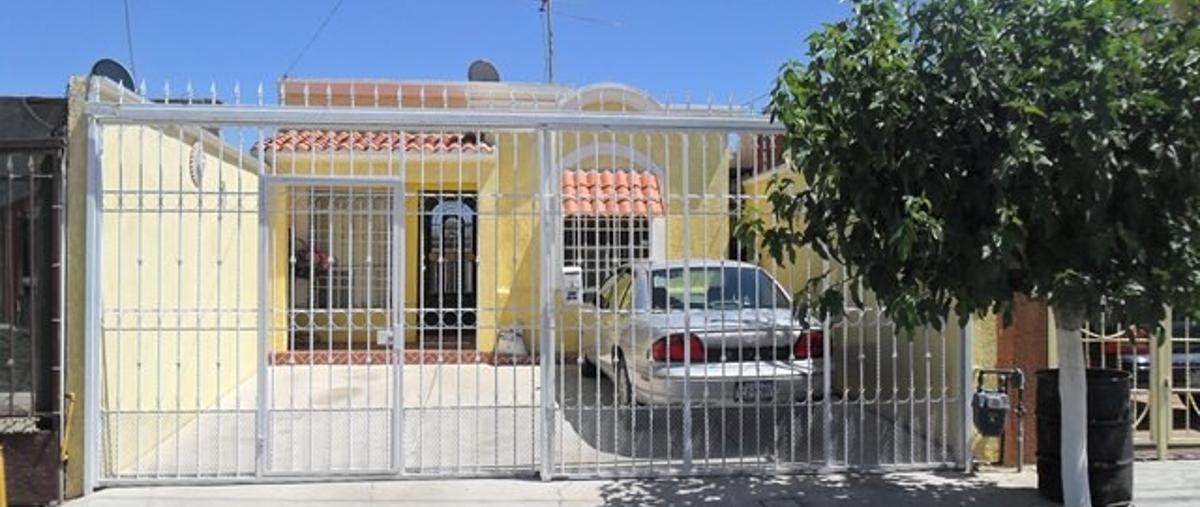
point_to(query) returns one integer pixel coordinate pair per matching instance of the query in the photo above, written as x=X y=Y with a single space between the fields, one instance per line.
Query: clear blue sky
x=701 y=47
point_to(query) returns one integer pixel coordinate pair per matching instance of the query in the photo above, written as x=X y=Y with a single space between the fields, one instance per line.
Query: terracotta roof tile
x=611 y=193
x=343 y=140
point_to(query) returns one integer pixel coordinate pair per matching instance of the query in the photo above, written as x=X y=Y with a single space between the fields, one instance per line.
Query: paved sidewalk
x=1165 y=484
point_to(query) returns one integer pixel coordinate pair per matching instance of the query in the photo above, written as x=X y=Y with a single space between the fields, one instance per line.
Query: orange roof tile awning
x=591 y=193
x=368 y=141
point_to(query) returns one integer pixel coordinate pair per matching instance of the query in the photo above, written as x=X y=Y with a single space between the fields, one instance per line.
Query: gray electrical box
x=572 y=284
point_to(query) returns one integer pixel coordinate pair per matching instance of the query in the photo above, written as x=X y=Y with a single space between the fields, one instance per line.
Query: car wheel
x=586 y=367
x=624 y=390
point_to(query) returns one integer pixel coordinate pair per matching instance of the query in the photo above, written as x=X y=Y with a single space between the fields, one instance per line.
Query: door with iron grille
x=448 y=269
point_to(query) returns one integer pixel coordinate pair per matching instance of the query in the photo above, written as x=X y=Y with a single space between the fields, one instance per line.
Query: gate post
x=399 y=327
x=262 y=389
x=92 y=335
x=1160 y=388
x=827 y=383
x=965 y=369
x=548 y=281
x=827 y=394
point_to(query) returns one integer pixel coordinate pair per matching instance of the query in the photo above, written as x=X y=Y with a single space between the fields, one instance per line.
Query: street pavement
x=1157 y=484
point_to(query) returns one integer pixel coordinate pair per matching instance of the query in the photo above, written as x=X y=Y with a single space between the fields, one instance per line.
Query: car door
x=612 y=320
x=592 y=317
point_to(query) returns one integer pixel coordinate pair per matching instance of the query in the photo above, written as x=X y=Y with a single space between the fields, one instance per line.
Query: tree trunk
x=1072 y=393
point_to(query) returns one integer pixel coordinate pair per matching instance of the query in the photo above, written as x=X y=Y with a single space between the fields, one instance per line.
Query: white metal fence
x=1166 y=374
x=470 y=279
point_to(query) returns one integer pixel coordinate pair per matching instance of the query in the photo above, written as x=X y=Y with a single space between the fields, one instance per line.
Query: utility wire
x=129 y=42
x=589 y=19
x=314 y=37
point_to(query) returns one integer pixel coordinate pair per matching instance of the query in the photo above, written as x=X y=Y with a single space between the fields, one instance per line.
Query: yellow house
x=470 y=233
x=225 y=250
x=183 y=271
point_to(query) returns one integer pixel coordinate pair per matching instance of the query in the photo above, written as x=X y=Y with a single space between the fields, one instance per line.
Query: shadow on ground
x=819 y=491
x=876 y=433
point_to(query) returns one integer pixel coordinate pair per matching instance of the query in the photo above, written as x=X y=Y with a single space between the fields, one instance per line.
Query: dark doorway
x=449 y=260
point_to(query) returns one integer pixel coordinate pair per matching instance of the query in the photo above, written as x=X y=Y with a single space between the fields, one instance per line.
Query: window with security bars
x=599 y=245
x=343 y=259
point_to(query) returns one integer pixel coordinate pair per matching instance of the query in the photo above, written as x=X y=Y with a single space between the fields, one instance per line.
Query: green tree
x=952 y=153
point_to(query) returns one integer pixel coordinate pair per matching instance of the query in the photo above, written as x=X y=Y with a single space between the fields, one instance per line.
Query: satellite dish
x=483 y=70
x=109 y=68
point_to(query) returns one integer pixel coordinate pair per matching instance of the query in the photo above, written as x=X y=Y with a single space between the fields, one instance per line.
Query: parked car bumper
x=1185 y=370
x=731 y=383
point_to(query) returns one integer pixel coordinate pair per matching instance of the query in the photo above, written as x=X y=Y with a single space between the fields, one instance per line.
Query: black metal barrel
x=1109 y=442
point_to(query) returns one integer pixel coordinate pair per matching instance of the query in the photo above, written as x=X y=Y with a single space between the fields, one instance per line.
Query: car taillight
x=672 y=348
x=809 y=343
x=1120 y=344
x=1124 y=347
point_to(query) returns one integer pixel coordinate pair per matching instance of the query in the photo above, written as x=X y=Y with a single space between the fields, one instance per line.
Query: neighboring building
x=32 y=145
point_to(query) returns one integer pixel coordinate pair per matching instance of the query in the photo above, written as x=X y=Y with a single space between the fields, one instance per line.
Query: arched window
x=451 y=248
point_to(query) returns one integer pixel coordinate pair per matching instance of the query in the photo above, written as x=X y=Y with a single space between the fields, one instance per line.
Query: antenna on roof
x=548 y=34
x=545 y=10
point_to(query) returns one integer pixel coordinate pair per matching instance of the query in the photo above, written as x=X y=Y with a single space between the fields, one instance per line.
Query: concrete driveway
x=480 y=419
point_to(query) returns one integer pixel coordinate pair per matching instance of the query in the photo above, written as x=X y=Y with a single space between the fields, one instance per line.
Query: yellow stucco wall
x=179 y=282
x=165 y=253
x=74 y=317
x=506 y=183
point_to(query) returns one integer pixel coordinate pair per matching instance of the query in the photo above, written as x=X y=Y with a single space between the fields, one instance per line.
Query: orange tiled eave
x=611 y=193
x=368 y=141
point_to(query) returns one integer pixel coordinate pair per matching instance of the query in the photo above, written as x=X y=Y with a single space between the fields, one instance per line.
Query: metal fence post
x=399 y=327
x=262 y=401
x=548 y=218
x=1160 y=389
x=966 y=365
x=686 y=417
x=827 y=394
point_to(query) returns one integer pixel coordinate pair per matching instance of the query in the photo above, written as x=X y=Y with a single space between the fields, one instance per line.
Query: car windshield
x=716 y=288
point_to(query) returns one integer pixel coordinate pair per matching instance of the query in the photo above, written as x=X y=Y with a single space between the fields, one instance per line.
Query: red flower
x=310 y=260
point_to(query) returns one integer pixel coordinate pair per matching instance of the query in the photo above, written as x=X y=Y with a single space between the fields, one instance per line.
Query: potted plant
x=310 y=264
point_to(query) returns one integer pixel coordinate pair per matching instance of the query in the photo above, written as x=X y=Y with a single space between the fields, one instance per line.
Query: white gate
x=471 y=279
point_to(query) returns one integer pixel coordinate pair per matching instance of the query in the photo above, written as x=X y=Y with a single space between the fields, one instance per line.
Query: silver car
x=720 y=331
